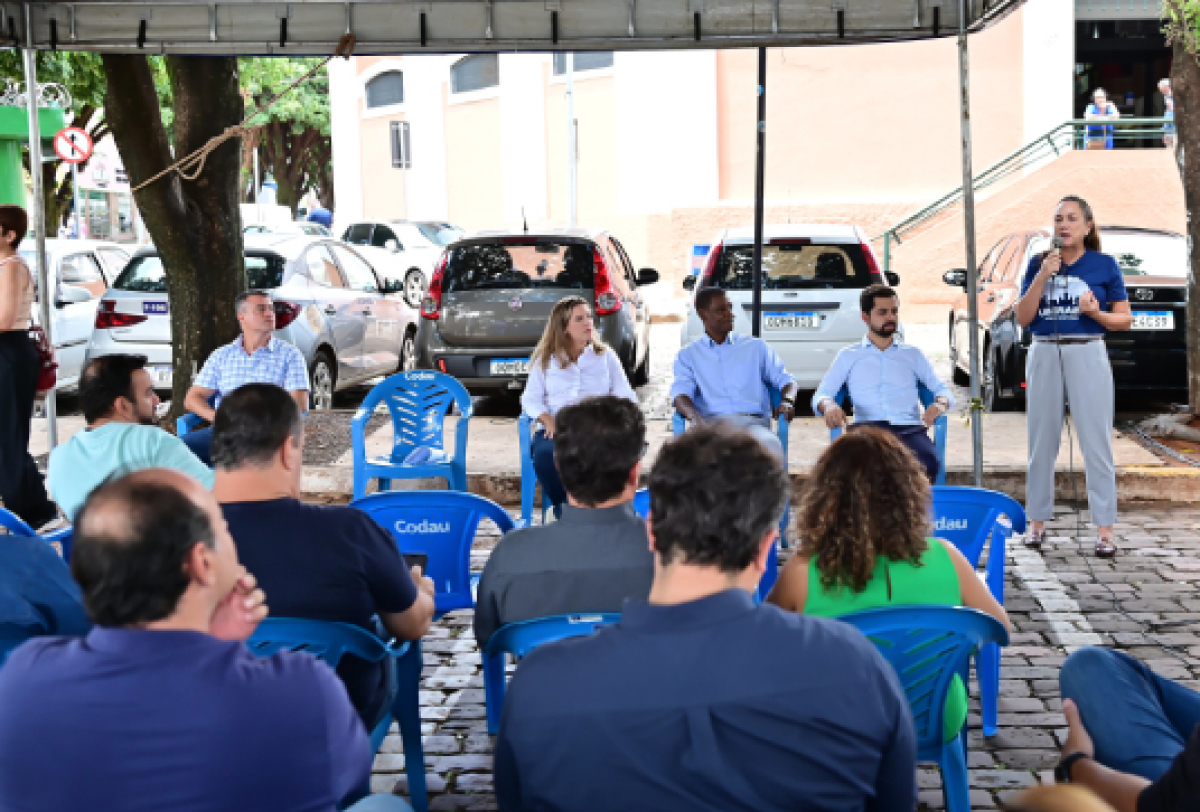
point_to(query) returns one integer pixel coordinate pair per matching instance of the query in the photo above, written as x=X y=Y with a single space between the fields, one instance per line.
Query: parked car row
x=1152 y=356
x=403 y=251
x=329 y=302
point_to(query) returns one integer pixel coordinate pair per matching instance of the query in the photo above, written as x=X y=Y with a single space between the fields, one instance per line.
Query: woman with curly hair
x=863 y=521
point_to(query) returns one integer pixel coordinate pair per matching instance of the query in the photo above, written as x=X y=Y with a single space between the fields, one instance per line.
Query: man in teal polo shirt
x=117 y=396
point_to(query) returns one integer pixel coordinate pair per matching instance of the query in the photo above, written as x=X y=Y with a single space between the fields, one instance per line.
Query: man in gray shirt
x=597 y=554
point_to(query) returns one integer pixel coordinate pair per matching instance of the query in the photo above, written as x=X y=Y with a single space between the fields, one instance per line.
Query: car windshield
x=797 y=266
x=532 y=264
x=1147 y=254
x=440 y=233
x=145 y=274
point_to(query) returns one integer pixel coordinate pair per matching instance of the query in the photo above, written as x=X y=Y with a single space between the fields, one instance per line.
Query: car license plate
x=795 y=320
x=161 y=375
x=510 y=366
x=1153 y=320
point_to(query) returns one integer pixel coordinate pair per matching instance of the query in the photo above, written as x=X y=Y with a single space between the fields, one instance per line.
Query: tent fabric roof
x=312 y=27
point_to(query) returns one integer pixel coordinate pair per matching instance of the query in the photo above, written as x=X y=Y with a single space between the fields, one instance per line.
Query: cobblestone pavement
x=1055 y=604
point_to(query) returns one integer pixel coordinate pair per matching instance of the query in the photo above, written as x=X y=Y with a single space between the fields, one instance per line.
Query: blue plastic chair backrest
x=418 y=401
x=966 y=517
x=60 y=540
x=641 y=502
x=679 y=425
x=441 y=524
x=14 y=524
x=325 y=640
x=927 y=646
x=519 y=639
x=925 y=395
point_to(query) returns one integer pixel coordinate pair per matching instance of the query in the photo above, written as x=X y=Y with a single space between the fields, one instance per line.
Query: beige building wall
x=474 y=163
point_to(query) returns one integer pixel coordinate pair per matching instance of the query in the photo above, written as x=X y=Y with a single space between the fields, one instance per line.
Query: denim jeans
x=1138 y=720
x=541 y=449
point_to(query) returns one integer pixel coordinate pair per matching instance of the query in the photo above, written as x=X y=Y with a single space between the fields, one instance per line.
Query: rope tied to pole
x=191 y=166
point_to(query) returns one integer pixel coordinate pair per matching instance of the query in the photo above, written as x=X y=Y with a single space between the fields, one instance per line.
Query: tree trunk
x=195 y=225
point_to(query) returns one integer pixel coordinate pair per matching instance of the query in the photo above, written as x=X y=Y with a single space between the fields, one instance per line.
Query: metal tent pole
x=759 y=193
x=964 y=83
x=37 y=210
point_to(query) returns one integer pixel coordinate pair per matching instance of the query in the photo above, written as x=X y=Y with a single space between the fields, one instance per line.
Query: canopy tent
x=314 y=28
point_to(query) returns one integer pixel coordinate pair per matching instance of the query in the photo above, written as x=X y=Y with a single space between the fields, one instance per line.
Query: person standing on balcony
x=1100 y=137
x=1169 y=137
x=569 y=364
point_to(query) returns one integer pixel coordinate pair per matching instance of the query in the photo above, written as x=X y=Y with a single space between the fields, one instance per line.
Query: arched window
x=583 y=60
x=475 y=72
x=385 y=89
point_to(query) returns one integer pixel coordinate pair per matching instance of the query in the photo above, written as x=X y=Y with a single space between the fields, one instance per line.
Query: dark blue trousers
x=200 y=442
x=541 y=449
x=916 y=439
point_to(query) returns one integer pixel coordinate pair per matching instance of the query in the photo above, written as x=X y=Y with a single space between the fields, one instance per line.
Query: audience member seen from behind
x=162 y=706
x=699 y=699
x=319 y=563
x=882 y=377
x=1134 y=736
x=1101 y=109
x=597 y=555
x=255 y=356
x=117 y=397
x=728 y=377
x=864 y=519
x=21 y=487
x=569 y=364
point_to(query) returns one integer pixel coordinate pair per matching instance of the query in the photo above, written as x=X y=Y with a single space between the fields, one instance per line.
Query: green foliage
x=1181 y=23
x=79 y=73
x=305 y=107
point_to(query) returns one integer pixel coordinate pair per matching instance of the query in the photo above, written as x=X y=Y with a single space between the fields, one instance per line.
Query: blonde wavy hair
x=867 y=497
x=555 y=342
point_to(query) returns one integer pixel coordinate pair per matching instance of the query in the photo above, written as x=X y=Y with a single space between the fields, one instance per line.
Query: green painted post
x=887 y=251
x=14 y=133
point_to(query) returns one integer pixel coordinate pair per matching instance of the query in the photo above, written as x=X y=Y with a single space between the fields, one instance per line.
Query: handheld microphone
x=1056 y=248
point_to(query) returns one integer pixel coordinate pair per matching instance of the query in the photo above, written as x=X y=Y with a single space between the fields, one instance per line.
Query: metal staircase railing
x=1069 y=135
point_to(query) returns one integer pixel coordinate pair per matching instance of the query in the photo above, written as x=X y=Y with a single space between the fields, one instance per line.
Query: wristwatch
x=943 y=401
x=1062 y=773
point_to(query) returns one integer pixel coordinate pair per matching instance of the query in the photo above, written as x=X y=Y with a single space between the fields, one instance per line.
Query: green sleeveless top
x=899 y=583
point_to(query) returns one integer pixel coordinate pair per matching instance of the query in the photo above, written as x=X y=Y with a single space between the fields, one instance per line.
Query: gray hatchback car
x=493 y=291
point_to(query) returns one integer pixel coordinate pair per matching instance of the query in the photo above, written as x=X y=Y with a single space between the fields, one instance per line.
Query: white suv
x=812 y=278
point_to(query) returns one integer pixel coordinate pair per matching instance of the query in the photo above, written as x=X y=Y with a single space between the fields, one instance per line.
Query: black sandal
x=1034 y=541
x=1106 y=548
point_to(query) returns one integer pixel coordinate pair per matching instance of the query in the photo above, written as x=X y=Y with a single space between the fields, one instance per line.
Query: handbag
x=47 y=362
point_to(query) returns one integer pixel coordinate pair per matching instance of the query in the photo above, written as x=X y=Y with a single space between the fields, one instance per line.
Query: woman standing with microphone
x=569 y=364
x=1070 y=297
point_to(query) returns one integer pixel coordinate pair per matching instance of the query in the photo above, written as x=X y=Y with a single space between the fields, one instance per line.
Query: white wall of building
x=345 y=90
x=425 y=78
x=1048 y=69
x=523 y=136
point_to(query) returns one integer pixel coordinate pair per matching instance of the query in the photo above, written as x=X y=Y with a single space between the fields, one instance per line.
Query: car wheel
x=322 y=380
x=641 y=375
x=989 y=387
x=414 y=287
x=408 y=352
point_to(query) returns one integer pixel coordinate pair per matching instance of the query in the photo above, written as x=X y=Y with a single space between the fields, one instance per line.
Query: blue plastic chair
x=419 y=401
x=641 y=505
x=927 y=646
x=329 y=642
x=939 y=428
x=966 y=517
x=518 y=639
x=679 y=426
x=60 y=539
x=442 y=525
x=186 y=423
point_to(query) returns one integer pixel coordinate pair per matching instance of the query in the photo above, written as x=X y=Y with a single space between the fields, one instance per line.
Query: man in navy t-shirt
x=698 y=699
x=161 y=706
x=318 y=563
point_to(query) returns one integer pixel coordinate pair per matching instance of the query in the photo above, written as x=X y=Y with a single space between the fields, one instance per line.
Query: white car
x=81 y=271
x=403 y=251
x=812 y=278
x=295 y=228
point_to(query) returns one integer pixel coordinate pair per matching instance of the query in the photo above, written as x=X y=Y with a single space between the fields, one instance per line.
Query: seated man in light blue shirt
x=725 y=376
x=255 y=356
x=882 y=377
x=117 y=396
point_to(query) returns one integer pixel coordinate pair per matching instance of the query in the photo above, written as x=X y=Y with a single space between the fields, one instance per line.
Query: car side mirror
x=892 y=278
x=647 y=276
x=393 y=246
x=955 y=278
x=689 y=282
x=391 y=286
x=70 y=294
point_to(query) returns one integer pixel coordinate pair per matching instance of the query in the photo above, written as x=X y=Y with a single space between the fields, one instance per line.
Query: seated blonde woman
x=863 y=521
x=569 y=364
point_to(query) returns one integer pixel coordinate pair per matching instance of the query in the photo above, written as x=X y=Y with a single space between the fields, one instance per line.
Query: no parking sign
x=73 y=145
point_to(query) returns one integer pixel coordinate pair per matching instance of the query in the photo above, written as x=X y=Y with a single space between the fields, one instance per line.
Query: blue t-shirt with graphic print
x=1058 y=312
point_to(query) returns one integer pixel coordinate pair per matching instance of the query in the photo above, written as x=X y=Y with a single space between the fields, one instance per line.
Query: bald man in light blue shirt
x=725 y=376
x=884 y=377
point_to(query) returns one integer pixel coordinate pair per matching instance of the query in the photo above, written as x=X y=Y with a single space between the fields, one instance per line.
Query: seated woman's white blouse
x=556 y=386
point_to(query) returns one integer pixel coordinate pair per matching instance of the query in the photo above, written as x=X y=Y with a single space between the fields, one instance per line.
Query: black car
x=1150 y=357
